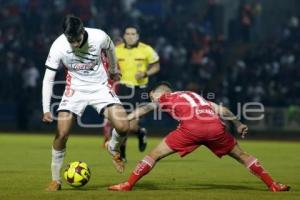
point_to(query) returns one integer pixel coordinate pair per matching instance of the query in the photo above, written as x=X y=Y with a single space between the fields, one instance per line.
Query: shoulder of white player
x=97 y=36
x=60 y=43
x=95 y=32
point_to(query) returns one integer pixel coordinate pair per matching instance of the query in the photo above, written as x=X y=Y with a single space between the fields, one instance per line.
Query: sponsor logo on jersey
x=83 y=66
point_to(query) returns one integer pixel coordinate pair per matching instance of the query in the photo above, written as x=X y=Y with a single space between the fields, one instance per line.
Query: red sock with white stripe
x=143 y=167
x=255 y=168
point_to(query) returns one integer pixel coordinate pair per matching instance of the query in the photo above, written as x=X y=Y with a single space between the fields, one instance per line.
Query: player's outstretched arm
x=226 y=114
x=141 y=111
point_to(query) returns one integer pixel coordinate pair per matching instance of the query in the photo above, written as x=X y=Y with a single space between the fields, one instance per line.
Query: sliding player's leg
x=144 y=166
x=254 y=166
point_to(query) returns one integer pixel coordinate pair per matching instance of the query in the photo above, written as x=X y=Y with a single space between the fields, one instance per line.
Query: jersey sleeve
x=106 y=43
x=47 y=88
x=54 y=57
x=152 y=56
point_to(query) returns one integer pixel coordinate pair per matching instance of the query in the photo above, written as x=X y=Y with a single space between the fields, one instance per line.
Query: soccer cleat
x=116 y=158
x=142 y=137
x=278 y=187
x=54 y=186
x=121 y=187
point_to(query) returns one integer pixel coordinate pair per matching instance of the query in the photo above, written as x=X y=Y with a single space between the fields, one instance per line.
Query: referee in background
x=137 y=62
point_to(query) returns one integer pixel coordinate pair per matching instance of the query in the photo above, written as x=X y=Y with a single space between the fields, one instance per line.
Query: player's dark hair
x=156 y=86
x=72 y=26
x=131 y=26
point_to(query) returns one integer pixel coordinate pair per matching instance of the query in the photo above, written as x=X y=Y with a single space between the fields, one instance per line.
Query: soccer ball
x=77 y=174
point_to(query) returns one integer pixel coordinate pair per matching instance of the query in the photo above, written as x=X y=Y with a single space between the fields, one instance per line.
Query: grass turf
x=25 y=171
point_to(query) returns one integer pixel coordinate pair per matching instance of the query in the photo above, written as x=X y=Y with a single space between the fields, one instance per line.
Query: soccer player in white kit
x=78 y=49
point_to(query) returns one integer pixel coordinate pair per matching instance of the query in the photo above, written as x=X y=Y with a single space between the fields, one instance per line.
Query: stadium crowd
x=194 y=54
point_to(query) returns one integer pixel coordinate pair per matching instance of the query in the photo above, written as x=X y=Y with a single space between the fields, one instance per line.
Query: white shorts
x=76 y=101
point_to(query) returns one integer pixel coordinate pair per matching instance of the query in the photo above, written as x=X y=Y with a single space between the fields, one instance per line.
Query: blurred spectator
x=246 y=21
x=30 y=77
x=194 y=54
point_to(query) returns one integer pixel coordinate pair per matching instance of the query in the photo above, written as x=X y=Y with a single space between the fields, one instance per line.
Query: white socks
x=116 y=140
x=56 y=164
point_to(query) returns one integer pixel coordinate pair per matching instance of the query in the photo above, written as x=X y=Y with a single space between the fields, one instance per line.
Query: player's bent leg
x=161 y=150
x=113 y=148
x=254 y=166
x=106 y=132
x=64 y=124
x=134 y=126
x=65 y=120
x=117 y=116
x=238 y=154
x=144 y=166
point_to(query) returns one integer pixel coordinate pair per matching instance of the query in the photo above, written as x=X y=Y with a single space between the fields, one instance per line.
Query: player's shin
x=116 y=140
x=143 y=167
x=56 y=163
x=106 y=131
x=256 y=168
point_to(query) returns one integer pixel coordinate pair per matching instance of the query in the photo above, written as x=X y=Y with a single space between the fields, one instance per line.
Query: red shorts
x=214 y=136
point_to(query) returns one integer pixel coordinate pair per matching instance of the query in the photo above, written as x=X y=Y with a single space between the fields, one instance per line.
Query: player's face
x=131 y=36
x=154 y=96
x=75 y=42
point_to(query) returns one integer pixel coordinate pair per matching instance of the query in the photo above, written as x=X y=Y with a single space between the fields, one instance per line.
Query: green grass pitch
x=25 y=171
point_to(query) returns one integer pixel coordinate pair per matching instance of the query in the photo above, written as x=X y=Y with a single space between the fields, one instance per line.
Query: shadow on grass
x=86 y=188
x=212 y=186
x=154 y=186
x=200 y=186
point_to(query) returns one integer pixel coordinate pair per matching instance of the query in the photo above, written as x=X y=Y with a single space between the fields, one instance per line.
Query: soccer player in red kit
x=200 y=123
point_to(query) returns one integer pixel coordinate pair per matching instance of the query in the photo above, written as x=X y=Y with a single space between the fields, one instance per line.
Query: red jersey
x=199 y=124
x=186 y=106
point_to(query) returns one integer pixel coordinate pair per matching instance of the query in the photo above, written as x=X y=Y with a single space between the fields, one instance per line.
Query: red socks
x=145 y=166
x=142 y=168
x=255 y=168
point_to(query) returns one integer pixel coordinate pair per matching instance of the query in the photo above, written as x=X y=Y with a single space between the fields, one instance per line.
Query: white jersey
x=85 y=70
